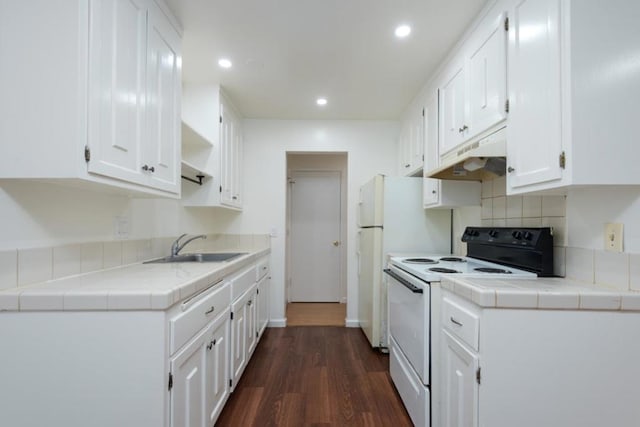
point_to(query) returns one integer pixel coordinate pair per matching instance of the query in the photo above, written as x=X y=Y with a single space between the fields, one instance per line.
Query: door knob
x=336 y=243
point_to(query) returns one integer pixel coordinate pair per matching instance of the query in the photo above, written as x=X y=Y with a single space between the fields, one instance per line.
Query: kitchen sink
x=197 y=257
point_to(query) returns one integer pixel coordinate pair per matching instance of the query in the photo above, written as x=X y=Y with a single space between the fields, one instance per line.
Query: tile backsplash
x=22 y=267
x=610 y=269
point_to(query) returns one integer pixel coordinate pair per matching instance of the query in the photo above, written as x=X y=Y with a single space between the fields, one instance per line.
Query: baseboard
x=352 y=323
x=278 y=323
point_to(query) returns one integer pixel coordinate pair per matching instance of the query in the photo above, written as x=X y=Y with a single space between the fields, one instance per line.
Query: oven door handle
x=413 y=288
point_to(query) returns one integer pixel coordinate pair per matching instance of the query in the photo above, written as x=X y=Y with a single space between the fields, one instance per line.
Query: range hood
x=473 y=159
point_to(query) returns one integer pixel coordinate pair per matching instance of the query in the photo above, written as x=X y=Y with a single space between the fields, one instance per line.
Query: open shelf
x=192 y=173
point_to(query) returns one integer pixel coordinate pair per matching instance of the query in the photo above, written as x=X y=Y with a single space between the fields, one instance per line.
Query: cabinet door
x=534 y=134
x=431 y=156
x=217 y=367
x=188 y=368
x=163 y=102
x=230 y=154
x=252 y=324
x=404 y=148
x=417 y=142
x=117 y=73
x=487 y=71
x=238 y=339
x=430 y=191
x=459 y=385
x=453 y=129
x=263 y=304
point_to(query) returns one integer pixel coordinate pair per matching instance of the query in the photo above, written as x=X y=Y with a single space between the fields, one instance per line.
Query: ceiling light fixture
x=321 y=101
x=224 y=63
x=403 y=31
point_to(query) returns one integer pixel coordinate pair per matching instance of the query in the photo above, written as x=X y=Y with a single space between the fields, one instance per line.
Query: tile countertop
x=545 y=293
x=132 y=287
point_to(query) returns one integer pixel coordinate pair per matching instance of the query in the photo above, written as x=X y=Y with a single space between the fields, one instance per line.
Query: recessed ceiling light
x=224 y=63
x=321 y=101
x=403 y=31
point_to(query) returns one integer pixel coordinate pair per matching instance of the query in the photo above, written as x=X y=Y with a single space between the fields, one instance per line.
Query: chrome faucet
x=176 y=247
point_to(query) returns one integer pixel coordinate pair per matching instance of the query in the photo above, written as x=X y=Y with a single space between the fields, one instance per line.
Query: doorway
x=316 y=252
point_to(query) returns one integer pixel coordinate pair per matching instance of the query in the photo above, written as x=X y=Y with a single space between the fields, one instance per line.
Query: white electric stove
x=414 y=321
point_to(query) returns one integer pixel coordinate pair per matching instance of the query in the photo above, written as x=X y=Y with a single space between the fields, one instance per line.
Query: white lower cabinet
x=459 y=387
x=143 y=368
x=244 y=332
x=199 y=384
x=537 y=367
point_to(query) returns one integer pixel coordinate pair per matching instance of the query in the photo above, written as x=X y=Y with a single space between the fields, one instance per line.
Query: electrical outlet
x=613 y=237
x=121 y=227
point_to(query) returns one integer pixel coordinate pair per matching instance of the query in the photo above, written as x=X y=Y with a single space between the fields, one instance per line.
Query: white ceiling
x=286 y=53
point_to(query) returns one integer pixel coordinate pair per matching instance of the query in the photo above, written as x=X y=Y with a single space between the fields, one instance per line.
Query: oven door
x=408 y=299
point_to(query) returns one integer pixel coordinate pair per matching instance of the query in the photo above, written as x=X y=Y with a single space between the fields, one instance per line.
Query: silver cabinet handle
x=433 y=191
x=250 y=302
x=463 y=128
x=510 y=169
x=148 y=168
x=407 y=165
x=455 y=321
x=210 y=310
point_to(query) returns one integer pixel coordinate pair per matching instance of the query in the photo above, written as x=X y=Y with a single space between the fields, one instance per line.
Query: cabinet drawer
x=461 y=322
x=242 y=281
x=262 y=268
x=185 y=325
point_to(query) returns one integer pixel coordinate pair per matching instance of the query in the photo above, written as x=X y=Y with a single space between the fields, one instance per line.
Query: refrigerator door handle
x=404 y=282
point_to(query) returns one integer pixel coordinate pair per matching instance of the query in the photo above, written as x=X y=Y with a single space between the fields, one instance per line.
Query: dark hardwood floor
x=315 y=376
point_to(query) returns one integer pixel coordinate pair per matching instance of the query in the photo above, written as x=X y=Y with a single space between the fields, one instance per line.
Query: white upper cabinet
x=411 y=142
x=534 y=134
x=212 y=148
x=454 y=127
x=117 y=86
x=473 y=87
x=573 y=90
x=107 y=107
x=163 y=101
x=437 y=193
x=487 y=74
x=231 y=155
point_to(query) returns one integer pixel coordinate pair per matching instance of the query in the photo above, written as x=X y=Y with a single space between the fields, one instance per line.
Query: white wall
x=589 y=209
x=38 y=214
x=371 y=148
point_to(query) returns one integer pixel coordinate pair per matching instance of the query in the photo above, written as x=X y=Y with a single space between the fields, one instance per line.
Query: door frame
x=315 y=166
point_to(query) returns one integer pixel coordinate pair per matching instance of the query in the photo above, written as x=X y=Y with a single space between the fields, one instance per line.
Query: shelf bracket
x=195 y=181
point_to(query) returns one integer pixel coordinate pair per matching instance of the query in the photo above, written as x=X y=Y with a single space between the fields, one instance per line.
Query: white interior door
x=315 y=237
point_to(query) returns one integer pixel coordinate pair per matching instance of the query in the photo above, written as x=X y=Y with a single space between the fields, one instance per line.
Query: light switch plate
x=613 y=237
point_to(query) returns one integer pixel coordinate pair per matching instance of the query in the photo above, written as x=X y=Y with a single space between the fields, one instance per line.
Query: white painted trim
x=278 y=323
x=352 y=323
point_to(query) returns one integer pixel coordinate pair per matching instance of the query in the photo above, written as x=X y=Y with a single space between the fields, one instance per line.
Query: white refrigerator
x=391 y=218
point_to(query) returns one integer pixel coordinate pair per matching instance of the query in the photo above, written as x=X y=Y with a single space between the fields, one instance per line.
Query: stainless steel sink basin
x=198 y=257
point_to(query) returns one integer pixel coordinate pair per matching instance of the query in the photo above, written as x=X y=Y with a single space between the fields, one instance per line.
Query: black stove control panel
x=527 y=248
x=528 y=237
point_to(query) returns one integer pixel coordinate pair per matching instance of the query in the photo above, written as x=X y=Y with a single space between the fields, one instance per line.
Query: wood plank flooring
x=315 y=376
x=316 y=314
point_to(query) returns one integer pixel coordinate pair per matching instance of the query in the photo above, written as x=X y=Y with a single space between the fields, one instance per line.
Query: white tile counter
x=131 y=287
x=548 y=293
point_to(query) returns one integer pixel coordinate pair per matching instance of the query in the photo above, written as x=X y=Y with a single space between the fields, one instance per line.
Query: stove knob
x=527 y=235
x=493 y=233
x=517 y=234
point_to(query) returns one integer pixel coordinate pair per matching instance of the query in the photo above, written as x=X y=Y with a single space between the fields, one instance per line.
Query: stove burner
x=419 y=261
x=453 y=259
x=443 y=270
x=492 y=270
